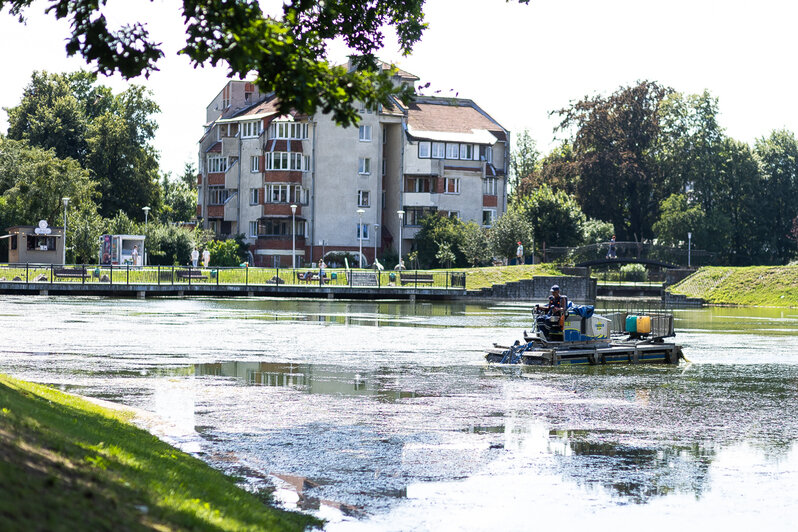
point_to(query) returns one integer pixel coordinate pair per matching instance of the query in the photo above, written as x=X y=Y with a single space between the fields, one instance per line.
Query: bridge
x=665 y=257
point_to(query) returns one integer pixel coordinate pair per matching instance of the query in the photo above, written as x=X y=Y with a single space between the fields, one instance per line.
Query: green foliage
x=340 y=259
x=615 y=145
x=475 y=245
x=169 y=245
x=121 y=224
x=677 y=218
x=507 y=231
x=108 y=135
x=33 y=181
x=231 y=252
x=180 y=200
x=633 y=272
x=555 y=216
x=445 y=255
x=437 y=229
x=84 y=230
x=523 y=159
x=595 y=231
x=754 y=285
x=778 y=156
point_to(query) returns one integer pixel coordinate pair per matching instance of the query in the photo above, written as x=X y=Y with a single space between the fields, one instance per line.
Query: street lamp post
x=689 y=244
x=66 y=202
x=321 y=243
x=360 y=237
x=376 y=229
x=144 y=245
x=401 y=215
x=293 y=236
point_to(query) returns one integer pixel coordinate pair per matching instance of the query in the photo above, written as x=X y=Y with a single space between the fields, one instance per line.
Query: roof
x=452 y=119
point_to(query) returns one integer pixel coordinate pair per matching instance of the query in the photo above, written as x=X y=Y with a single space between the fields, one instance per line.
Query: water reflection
x=634 y=473
x=309 y=378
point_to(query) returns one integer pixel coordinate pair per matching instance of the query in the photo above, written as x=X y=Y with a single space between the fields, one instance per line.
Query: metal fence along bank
x=179 y=280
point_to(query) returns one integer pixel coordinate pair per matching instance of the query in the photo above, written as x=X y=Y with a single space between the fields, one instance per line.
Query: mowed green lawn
x=772 y=286
x=67 y=464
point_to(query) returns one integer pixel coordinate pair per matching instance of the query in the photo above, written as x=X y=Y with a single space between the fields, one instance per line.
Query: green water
x=384 y=416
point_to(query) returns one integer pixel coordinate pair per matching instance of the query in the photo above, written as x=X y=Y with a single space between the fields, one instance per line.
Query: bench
x=194 y=275
x=415 y=278
x=77 y=273
x=363 y=279
x=311 y=277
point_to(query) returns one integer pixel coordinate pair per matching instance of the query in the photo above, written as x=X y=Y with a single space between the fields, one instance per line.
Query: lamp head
x=66 y=201
x=293 y=209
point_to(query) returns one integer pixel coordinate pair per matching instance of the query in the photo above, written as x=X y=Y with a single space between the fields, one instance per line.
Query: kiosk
x=118 y=249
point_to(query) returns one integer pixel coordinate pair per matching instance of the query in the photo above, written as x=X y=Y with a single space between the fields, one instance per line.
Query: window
x=13 y=242
x=384 y=167
x=288 y=130
x=364 y=165
x=466 y=151
x=217 y=195
x=486 y=153
x=438 y=150
x=488 y=216
x=250 y=129
x=454 y=214
x=423 y=150
x=452 y=185
x=362 y=198
x=365 y=133
x=254 y=163
x=413 y=215
x=281 y=160
x=254 y=196
x=253 y=229
x=418 y=184
x=217 y=163
x=489 y=186
x=384 y=136
x=452 y=151
x=285 y=194
x=363 y=229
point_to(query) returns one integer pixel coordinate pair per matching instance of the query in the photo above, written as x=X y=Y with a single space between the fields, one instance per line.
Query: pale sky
x=517 y=62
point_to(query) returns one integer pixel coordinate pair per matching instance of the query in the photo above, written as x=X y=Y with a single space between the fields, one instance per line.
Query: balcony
x=280 y=209
x=420 y=199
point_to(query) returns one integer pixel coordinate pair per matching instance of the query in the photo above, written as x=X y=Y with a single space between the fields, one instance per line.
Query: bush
x=225 y=252
x=169 y=245
x=595 y=231
x=633 y=272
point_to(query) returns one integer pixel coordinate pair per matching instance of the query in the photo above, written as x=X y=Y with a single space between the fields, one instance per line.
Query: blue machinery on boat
x=584 y=338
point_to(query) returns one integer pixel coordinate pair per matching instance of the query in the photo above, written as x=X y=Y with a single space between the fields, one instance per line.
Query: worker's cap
x=555 y=287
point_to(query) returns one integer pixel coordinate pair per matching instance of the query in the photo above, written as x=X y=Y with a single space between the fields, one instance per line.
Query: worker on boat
x=558 y=303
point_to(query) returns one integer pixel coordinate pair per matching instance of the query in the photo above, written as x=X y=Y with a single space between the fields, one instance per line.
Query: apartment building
x=301 y=186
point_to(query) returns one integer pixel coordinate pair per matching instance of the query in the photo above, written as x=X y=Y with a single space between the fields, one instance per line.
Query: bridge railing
x=623 y=251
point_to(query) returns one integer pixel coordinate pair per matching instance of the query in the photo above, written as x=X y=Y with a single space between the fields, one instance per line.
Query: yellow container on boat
x=643 y=324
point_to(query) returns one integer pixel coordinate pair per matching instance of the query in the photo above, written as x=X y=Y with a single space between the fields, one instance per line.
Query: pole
x=293 y=236
x=689 y=244
x=144 y=245
x=360 y=237
x=401 y=215
x=66 y=202
x=376 y=229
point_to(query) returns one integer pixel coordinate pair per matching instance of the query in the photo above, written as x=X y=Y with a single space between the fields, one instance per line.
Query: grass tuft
x=770 y=286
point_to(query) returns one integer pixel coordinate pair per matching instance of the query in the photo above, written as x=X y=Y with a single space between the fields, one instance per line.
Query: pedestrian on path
x=519 y=253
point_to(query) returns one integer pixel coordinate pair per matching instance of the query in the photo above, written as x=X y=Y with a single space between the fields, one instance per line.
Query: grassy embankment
x=477 y=278
x=67 y=464
x=772 y=286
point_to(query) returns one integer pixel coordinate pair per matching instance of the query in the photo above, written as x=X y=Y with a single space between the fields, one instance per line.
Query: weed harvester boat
x=585 y=338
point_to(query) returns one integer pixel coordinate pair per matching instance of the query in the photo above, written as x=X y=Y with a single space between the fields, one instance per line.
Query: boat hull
x=614 y=353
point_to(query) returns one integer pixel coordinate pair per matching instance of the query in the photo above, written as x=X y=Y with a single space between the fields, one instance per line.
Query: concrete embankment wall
x=581 y=290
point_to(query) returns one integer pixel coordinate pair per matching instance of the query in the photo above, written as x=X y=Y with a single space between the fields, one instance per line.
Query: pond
x=384 y=415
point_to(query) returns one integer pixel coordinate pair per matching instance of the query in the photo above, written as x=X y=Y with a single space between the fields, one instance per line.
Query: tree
x=475 y=246
x=507 y=231
x=778 y=156
x=445 y=256
x=225 y=252
x=557 y=169
x=110 y=135
x=615 y=142
x=287 y=52
x=33 y=181
x=437 y=229
x=677 y=218
x=523 y=159
x=595 y=231
x=169 y=245
x=555 y=216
